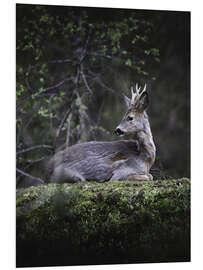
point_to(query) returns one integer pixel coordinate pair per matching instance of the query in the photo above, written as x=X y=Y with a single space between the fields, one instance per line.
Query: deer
x=121 y=160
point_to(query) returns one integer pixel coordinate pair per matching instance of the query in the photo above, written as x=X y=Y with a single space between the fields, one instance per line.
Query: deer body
x=117 y=160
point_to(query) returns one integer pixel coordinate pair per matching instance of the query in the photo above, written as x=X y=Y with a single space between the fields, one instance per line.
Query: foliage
x=114 y=222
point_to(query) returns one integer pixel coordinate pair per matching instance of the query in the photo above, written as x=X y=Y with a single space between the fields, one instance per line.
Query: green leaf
x=154 y=52
x=128 y=62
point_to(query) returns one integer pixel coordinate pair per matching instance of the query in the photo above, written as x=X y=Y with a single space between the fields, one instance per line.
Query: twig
x=21 y=175
x=50 y=110
x=62 y=122
x=99 y=81
x=83 y=113
x=97 y=77
x=77 y=79
x=85 y=81
x=27 y=78
x=101 y=55
x=84 y=53
x=64 y=119
x=100 y=112
x=55 y=86
x=33 y=148
x=68 y=132
x=29 y=175
x=34 y=161
x=36 y=109
x=58 y=61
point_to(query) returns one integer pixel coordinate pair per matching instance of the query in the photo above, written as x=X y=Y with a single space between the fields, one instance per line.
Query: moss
x=97 y=223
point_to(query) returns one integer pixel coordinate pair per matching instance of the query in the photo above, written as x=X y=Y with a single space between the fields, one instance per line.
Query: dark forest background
x=74 y=64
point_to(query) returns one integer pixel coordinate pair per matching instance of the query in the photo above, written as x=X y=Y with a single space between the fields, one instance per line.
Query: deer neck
x=147 y=147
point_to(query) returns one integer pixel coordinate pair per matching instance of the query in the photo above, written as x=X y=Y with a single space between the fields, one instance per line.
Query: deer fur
x=117 y=160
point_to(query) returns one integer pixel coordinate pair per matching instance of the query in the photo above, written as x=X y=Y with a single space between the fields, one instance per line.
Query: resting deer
x=117 y=160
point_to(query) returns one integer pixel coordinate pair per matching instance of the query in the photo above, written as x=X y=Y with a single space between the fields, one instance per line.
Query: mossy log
x=103 y=223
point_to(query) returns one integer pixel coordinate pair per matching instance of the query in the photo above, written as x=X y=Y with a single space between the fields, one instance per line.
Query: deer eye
x=129 y=118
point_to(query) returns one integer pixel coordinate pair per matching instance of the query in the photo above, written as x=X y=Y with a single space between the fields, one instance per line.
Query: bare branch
x=68 y=132
x=55 y=86
x=35 y=161
x=85 y=80
x=84 y=53
x=62 y=122
x=100 y=112
x=64 y=118
x=57 y=61
x=27 y=78
x=96 y=77
x=77 y=79
x=101 y=55
x=33 y=148
x=50 y=109
x=60 y=61
x=29 y=164
x=36 y=109
x=29 y=175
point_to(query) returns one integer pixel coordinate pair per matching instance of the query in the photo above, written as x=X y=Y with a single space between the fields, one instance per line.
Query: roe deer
x=116 y=160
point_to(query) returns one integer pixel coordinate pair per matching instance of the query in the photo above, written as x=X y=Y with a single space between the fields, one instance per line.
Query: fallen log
x=103 y=223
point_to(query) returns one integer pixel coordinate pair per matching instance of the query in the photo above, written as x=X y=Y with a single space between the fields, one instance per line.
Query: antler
x=137 y=94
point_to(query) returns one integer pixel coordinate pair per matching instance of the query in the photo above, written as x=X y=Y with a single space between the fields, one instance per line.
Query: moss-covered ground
x=103 y=223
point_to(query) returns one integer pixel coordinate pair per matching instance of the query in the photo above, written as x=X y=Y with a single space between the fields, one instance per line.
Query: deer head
x=135 y=119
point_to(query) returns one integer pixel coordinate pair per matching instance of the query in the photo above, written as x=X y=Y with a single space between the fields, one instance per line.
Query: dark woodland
x=73 y=66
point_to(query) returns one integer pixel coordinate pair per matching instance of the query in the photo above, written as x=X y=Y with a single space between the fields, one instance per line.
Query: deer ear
x=127 y=101
x=143 y=101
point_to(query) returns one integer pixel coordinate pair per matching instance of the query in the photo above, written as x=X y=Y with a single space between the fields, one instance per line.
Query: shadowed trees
x=72 y=64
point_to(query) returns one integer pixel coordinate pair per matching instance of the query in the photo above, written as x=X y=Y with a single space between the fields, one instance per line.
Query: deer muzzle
x=118 y=132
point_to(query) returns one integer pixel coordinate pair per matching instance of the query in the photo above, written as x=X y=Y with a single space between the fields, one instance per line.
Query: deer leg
x=132 y=177
x=141 y=177
x=65 y=175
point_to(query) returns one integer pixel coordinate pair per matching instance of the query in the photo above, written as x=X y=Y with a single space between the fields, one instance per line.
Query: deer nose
x=118 y=132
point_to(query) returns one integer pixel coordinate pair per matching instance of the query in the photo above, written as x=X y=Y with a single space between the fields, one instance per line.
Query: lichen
x=96 y=223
